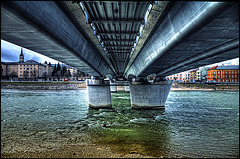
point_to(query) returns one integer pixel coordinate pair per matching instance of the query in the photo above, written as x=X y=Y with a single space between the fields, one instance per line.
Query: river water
x=193 y=124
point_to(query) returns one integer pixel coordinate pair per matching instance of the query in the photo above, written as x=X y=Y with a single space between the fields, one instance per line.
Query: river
x=193 y=123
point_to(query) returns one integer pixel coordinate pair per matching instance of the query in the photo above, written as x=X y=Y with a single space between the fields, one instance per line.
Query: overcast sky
x=10 y=53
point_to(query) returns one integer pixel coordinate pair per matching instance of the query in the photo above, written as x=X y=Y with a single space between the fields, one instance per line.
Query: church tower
x=21 y=57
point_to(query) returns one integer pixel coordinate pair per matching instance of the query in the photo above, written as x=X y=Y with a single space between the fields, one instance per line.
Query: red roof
x=213 y=68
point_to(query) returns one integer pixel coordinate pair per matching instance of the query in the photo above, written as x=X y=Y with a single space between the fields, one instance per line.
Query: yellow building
x=10 y=69
x=193 y=75
x=28 y=70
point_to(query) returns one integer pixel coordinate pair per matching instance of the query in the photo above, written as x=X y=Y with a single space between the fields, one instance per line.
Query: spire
x=21 y=52
x=21 y=56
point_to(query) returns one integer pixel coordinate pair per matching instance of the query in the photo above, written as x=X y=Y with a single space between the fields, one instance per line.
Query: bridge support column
x=149 y=95
x=99 y=94
x=127 y=89
x=113 y=87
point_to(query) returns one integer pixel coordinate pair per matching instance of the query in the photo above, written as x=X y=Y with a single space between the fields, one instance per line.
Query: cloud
x=10 y=53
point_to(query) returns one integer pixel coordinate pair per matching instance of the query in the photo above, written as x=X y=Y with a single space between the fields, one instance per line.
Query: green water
x=193 y=123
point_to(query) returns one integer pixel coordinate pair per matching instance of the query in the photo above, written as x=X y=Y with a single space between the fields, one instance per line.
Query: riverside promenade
x=34 y=85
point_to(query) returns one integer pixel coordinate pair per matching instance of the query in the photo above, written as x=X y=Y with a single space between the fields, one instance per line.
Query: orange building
x=223 y=74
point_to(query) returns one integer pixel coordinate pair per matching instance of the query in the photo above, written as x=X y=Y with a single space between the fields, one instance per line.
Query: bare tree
x=34 y=74
x=26 y=74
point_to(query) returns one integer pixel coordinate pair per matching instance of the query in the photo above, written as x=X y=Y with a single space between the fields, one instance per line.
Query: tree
x=45 y=75
x=13 y=74
x=64 y=69
x=68 y=73
x=34 y=74
x=58 y=75
x=58 y=67
x=25 y=74
x=54 y=70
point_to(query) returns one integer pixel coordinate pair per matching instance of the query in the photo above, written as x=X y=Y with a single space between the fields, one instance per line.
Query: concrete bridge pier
x=113 y=87
x=127 y=89
x=99 y=93
x=149 y=95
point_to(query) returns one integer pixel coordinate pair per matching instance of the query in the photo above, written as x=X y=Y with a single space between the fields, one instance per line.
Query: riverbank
x=75 y=151
x=44 y=85
x=204 y=87
x=74 y=85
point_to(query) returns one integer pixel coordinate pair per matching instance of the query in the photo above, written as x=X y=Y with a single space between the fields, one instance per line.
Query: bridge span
x=126 y=40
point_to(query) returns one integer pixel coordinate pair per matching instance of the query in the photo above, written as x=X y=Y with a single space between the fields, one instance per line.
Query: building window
x=218 y=71
x=223 y=71
x=20 y=68
x=223 y=76
x=20 y=71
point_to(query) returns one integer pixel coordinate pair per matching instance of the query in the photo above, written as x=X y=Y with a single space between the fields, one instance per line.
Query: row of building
x=29 y=70
x=33 y=70
x=228 y=73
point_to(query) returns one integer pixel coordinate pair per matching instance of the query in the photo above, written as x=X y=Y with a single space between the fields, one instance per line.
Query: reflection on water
x=193 y=124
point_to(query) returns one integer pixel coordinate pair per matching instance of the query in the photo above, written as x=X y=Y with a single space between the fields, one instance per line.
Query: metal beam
x=129 y=33
x=118 y=40
x=119 y=50
x=119 y=46
x=115 y=1
x=141 y=21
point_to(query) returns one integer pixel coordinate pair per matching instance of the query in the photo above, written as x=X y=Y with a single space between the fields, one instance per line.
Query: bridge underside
x=42 y=26
x=213 y=36
x=125 y=38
